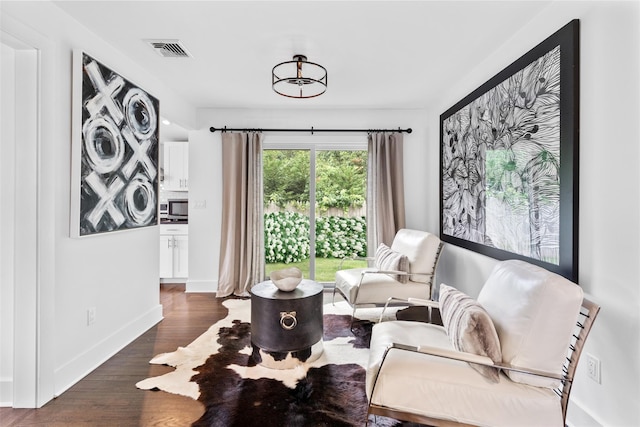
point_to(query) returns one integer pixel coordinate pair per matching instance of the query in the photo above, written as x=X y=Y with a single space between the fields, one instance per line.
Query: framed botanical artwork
x=115 y=151
x=509 y=160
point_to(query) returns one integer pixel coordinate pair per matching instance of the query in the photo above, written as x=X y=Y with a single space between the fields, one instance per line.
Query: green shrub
x=338 y=237
x=286 y=237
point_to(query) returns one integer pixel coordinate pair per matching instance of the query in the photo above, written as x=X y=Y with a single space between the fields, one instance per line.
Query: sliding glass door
x=315 y=239
x=340 y=210
x=287 y=218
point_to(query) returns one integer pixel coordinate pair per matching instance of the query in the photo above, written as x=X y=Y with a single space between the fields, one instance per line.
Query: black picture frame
x=509 y=160
x=115 y=151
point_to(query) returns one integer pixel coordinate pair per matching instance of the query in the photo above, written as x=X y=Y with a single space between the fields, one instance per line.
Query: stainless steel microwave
x=177 y=209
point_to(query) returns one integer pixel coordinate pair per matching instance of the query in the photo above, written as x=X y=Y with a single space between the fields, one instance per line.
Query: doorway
x=26 y=236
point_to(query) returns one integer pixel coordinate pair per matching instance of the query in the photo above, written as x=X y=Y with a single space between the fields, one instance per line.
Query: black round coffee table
x=286 y=327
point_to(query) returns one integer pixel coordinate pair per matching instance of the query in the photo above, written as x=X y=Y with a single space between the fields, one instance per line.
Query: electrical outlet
x=593 y=368
x=91 y=316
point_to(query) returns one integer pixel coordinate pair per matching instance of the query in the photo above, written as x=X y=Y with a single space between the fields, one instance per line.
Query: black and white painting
x=118 y=165
x=509 y=161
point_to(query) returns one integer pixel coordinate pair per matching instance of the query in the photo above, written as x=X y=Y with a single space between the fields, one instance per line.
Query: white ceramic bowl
x=286 y=279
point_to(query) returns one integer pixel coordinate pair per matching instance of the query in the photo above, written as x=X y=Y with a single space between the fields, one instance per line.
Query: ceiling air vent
x=169 y=48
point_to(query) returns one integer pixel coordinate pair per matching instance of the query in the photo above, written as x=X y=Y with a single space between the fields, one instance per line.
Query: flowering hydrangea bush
x=286 y=237
x=339 y=237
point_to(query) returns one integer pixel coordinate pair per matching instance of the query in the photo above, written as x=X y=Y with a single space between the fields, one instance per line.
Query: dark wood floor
x=108 y=396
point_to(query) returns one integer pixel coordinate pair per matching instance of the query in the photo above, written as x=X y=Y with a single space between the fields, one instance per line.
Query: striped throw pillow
x=388 y=259
x=470 y=329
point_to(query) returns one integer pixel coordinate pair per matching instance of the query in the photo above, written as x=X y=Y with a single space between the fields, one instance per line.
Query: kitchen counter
x=173 y=221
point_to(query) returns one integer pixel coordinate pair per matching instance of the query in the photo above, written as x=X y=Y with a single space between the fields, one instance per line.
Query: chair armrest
x=455 y=355
x=353 y=258
x=376 y=271
x=424 y=302
x=372 y=270
x=477 y=359
x=394 y=272
x=411 y=301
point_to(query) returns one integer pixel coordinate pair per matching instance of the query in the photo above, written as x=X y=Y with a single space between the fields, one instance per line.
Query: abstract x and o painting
x=117 y=169
x=509 y=161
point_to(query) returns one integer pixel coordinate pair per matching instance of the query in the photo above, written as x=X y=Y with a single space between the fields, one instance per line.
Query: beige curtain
x=385 y=189
x=241 y=244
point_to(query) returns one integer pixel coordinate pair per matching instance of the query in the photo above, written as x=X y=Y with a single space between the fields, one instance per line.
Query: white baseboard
x=202 y=286
x=579 y=416
x=180 y=280
x=6 y=392
x=76 y=369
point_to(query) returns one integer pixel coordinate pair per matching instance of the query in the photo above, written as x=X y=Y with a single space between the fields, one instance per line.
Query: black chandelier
x=299 y=78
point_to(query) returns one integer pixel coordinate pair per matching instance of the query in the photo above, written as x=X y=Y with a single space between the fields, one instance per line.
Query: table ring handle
x=288 y=320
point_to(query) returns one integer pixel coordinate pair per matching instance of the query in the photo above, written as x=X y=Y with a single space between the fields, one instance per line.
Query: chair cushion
x=421 y=248
x=376 y=288
x=388 y=259
x=534 y=312
x=449 y=389
x=470 y=328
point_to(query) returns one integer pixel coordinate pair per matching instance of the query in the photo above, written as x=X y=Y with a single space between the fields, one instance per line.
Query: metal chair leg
x=353 y=316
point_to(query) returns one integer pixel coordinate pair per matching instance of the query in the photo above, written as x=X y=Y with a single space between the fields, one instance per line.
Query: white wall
x=609 y=210
x=117 y=273
x=205 y=169
x=7 y=192
x=19 y=221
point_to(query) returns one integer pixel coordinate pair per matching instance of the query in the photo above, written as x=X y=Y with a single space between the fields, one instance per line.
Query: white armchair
x=419 y=251
x=507 y=359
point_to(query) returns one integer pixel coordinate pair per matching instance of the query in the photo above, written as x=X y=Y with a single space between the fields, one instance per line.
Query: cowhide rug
x=217 y=369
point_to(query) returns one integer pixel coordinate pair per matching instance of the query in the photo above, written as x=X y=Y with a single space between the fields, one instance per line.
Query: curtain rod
x=312 y=130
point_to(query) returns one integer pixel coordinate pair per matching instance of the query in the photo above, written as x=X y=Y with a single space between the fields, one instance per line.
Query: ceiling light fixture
x=299 y=78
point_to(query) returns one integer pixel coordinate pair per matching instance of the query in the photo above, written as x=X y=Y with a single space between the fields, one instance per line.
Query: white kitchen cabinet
x=166 y=257
x=174 y=251
x=180 y=256
x=176 y=166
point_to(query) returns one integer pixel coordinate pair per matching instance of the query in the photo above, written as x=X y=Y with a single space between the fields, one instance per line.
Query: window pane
x=286 y=199
x=341 y=180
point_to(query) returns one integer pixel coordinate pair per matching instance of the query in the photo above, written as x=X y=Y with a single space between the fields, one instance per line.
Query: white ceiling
x=380 y=54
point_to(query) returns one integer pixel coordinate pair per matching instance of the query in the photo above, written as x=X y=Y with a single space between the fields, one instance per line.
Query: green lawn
x=325 y=267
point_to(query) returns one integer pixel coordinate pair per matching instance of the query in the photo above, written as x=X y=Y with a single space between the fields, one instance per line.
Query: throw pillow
x=388 y=259
x=470 y=329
